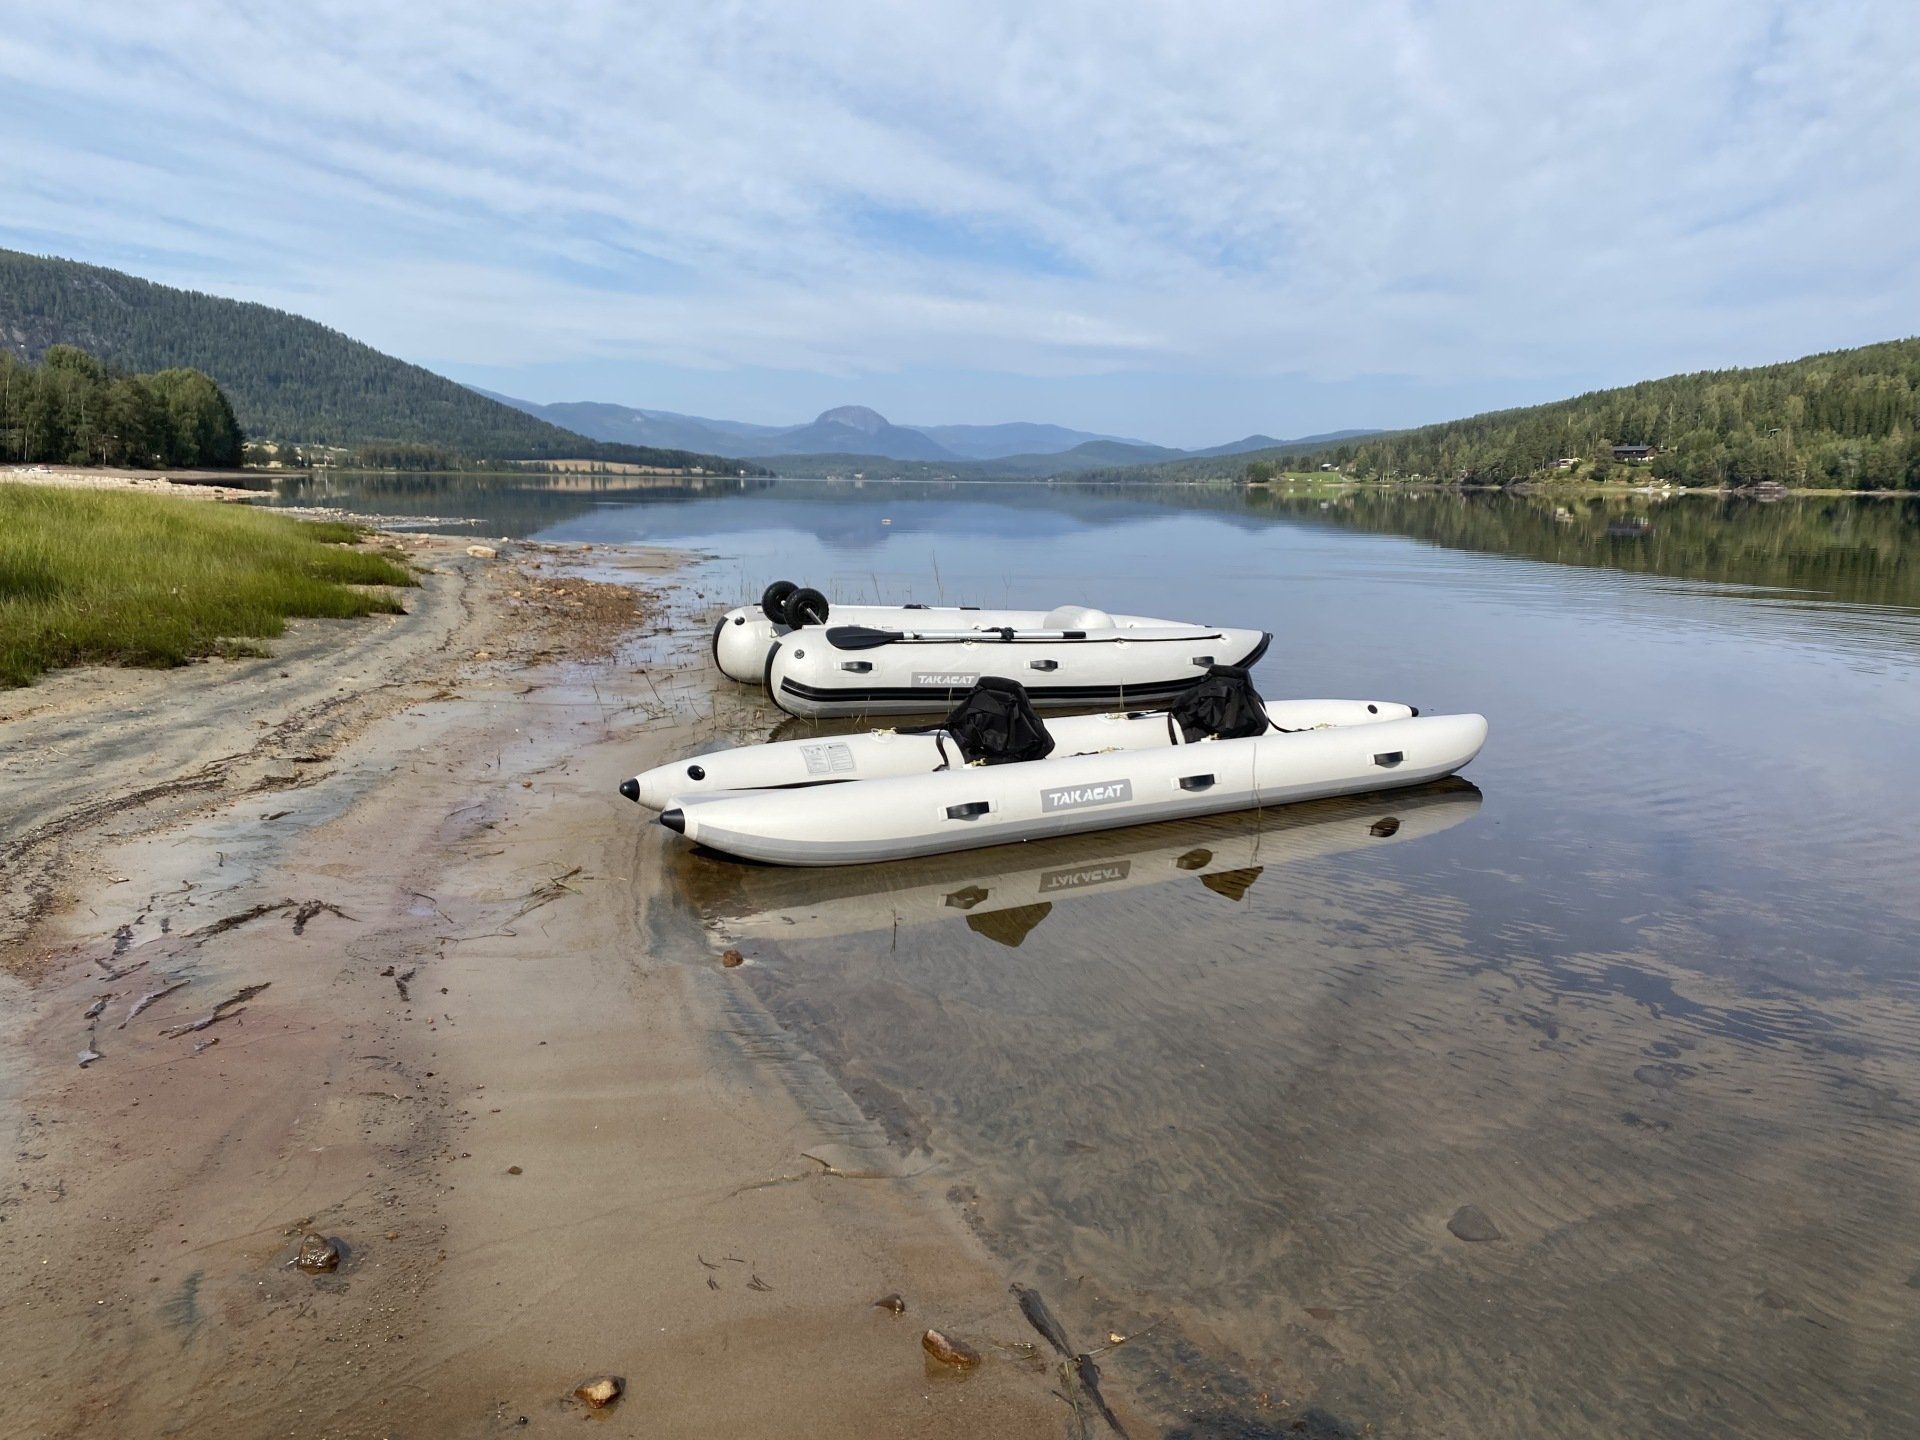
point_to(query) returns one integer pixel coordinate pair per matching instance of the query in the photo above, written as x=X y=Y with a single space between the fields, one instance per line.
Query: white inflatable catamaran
x=999 y=777
x=818 y=661
x=887 y=754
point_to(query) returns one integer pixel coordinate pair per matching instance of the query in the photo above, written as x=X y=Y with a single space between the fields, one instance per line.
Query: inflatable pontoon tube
x=992 y=805
x=884 y=754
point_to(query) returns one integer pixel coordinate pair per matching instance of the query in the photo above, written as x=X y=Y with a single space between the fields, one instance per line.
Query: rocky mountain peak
x=854 y=417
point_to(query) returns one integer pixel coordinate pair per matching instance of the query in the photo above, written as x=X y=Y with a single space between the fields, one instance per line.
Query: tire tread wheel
x=805 y=607
x=773 y=600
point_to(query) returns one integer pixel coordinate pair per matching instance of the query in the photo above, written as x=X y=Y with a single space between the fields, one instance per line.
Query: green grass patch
x=90 y=576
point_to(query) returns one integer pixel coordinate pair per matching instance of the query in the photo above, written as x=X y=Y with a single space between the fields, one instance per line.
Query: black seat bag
x=995 y=724
x=1222 y=705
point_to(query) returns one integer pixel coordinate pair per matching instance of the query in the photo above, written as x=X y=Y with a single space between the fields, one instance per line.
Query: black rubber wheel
x=805 y=607
x=773 y=600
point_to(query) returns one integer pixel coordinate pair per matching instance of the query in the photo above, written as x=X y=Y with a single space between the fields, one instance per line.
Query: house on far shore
x=1635 y=452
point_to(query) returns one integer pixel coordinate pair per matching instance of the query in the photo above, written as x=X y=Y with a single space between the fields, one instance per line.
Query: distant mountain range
x=292 y=379
x=1267 y=442
x=845 y=430
x=288 y=378
x=850 y=433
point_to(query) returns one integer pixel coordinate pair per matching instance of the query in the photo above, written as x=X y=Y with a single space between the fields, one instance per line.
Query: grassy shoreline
x=100 y=577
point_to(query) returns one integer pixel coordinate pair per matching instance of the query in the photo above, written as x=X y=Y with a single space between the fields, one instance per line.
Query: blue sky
x=1184 y=223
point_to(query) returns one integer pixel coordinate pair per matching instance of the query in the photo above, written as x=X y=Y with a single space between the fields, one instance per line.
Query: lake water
x=1643 y=994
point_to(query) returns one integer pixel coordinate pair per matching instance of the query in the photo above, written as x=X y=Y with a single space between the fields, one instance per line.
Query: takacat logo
x=1057 y=880
x=1076 y=797
x=943 y=679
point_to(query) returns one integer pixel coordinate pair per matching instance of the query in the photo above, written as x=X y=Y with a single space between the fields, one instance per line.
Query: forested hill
x=288 y=378
x=1848 y=419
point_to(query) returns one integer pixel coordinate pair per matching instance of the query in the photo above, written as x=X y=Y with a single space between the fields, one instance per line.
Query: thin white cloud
x=1317 y=189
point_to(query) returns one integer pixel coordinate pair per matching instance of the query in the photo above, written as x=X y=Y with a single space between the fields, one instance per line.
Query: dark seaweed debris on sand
x=1043 y=1319
x=225 y=1010
x=1312 y=1423
x=1080 y=1375
x=303 y=912
x=313 y=908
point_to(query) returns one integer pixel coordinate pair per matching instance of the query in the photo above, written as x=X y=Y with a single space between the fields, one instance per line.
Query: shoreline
x=208 y=485
x=185 y=484
x=495 y=1057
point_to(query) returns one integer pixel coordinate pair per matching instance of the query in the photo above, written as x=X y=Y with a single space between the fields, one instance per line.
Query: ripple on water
x=1250 y=1113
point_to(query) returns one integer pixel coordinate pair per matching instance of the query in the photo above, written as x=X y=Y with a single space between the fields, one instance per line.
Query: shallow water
x=1643 y=994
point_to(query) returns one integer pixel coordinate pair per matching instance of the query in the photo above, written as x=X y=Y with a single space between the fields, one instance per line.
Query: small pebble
x=949 y=1351
x=1470 y=1223
x=317 y=1254
x=601 y=1391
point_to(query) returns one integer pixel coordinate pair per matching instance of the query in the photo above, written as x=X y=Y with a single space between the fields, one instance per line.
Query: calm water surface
x=1642 y=994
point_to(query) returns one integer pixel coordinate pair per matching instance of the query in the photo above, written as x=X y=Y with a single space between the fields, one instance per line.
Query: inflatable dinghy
x=863 y=670
x=1004 y=895
x=1030 y=793
x=743 y=637
x=884 y=754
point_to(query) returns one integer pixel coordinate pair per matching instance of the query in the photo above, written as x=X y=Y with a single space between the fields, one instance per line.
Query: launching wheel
x=773 y=600
x=805 y=607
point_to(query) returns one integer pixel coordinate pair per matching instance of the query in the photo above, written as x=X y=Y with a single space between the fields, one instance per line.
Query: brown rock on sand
x=949 y=1351
x=317 y=1254
x=1470 y=1223
x=601 y=1391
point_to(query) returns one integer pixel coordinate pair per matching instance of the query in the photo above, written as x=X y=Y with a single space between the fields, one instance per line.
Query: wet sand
x=495 y=1058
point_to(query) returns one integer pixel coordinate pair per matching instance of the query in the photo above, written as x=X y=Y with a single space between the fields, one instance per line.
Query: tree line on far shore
x=1849 y=419
x=70 y=409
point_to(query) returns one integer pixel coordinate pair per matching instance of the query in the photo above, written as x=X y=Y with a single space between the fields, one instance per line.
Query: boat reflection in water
x=1005 y=893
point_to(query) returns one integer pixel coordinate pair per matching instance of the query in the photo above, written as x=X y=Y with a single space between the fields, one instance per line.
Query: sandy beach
x=359 y=940
x=182 y=484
